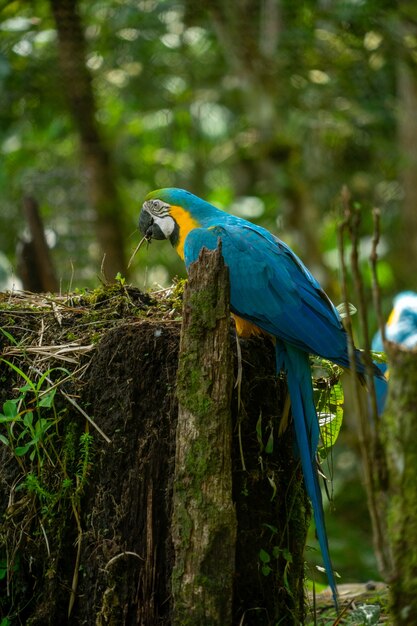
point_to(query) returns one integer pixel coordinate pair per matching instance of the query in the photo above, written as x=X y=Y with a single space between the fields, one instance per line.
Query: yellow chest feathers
x=185 y=224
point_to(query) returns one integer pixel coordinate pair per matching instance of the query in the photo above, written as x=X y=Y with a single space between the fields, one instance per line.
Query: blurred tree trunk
x=35 y=266
x=100 y=176
x=407 y=91
x=398 y=431
x=250 y=33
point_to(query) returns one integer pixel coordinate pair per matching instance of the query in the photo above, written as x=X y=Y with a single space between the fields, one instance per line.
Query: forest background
x=265 y=108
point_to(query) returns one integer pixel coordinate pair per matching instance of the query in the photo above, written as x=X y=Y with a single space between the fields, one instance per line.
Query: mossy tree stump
x=400 y=443
x=124 y=542
x=204 y=519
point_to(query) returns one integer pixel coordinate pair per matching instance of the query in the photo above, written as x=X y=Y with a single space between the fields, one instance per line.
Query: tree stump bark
x=204 y=518
x=121 y=554
x=398 y=432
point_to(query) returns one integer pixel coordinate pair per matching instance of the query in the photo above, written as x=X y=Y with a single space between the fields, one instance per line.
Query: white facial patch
x=159 y=211
x=166 y=224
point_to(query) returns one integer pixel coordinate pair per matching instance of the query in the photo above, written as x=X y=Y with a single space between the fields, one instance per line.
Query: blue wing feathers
x=271 y=288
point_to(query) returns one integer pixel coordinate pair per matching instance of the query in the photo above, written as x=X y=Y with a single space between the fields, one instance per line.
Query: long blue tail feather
x=297 y=367
x=381 y=388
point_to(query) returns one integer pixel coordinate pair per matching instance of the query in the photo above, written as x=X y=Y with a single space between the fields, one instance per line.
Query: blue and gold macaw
x=401 y=328
x=271 y=291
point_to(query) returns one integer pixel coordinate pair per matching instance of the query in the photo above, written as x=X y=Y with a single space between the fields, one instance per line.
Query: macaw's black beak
x=148 y=227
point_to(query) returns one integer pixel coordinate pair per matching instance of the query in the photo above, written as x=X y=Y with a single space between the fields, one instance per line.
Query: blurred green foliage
x=266 y=108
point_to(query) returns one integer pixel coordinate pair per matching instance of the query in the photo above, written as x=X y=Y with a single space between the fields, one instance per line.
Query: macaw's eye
x=159 y=208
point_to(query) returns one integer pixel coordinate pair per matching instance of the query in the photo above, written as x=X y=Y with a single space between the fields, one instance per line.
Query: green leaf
x=5 y=420
x=48 y=399
x=28 y=419
x=40 y=426
x=379 y=357
x=269 y=448
x=21 y=450
x=120 y=279
x=276 y=552
x=330 y=413
x=286 y=583
x=266 y=570
x=21 y=373
x=264 y=556
x=271 y=480
x=66 y=484
x=9 y=337
x=345 y=311
x=10 y=409
x=329 y=428
x=259 y=431
x=273 y=529
x=4 y=440
x=3 y=568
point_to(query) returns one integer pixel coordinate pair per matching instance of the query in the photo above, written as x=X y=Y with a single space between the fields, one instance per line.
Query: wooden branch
x=373 y=259
x=204 y=519
x=368 y=435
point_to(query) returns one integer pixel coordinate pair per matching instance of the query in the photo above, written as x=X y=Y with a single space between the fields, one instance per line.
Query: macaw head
x=155 y=221
x=170 y=214
x=401 y=325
